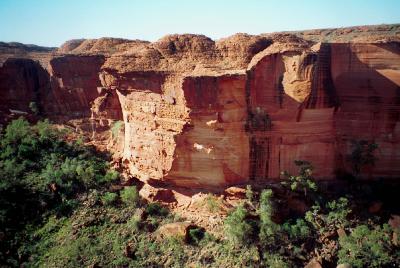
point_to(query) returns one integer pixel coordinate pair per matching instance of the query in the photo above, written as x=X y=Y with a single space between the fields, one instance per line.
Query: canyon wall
x=190 y=111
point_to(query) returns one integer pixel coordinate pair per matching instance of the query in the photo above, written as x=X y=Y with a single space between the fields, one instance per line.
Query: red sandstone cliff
x=204 y=113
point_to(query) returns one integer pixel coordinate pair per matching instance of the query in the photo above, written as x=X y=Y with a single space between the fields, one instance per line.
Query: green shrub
x=174 y=248
x=40 y=174
x=332 y=217
x=116 y=127
x=268 y=229
x=237 y=229
x=366 y=247
x=45 y=130
x=304 y=182
x=130 y=196
x=111 y=176
x=362 y=154
x=338 y=212
x=196 y=235
x=134 y=223
x=213 y=204
x=249 y=193
x=17 y=132
x=66 y=207
x=298 y=231
x=34 y=107
x=156 y=209
x=275 y=261
x=109 y=199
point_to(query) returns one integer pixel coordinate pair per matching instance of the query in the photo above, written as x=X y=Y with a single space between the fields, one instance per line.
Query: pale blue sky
x=51 y=22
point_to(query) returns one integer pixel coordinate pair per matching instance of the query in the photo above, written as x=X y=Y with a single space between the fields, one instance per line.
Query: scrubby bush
x=297 y=232
x=156 y=209
x=338 y=212
x=115 y=129
x=41 y=174
x=363 y=154
x=109 y=199
x=275 y=261
x=196 y=235
x=237 y=228
x=111 y=176
x=303 y=182
x=173 y=246
x=249 y=194
x=333 y=216
x=134 y=223
x=51 y=216
x=268 y=229
x=276 y=238
x=368 y=247
x=213 y=204
x=34 y=107
x=130 y=195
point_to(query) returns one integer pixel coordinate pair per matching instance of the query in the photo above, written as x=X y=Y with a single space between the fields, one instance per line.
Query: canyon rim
x=190 y=111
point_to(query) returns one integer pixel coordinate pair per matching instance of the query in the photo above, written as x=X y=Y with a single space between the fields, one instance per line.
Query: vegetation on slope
x=62 y=206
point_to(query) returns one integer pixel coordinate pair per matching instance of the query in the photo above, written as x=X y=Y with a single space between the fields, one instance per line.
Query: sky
x=52 y=22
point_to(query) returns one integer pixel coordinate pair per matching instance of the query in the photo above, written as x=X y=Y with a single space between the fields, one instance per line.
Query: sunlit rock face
x=213 y=148
x=154 y=112
x=192 y=112
x=341 y=93
x=285 y=124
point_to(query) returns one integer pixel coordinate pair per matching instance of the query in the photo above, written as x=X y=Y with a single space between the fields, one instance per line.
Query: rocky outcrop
x=18 y=50
x=358 y=34
x=74 y=85
x=190 y=111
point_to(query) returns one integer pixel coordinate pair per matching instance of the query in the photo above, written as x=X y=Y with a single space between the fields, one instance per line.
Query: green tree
x=34 y=108
x=237 y=229
x=109 y=199
x=268 y=228
x=363 y=154
x=130 y=196
x=303 y=182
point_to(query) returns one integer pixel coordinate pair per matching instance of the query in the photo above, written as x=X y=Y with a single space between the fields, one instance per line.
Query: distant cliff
x=195 y=112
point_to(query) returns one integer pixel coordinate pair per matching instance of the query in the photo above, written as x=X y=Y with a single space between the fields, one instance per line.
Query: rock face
x=22 y=82
x=189 y=111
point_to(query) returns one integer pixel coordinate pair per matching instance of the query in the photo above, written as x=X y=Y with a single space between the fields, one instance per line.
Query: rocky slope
x=194 y=112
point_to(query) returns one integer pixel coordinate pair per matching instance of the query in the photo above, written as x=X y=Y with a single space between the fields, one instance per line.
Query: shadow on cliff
x=369 y=107
x=22 y=81
x=393 y=47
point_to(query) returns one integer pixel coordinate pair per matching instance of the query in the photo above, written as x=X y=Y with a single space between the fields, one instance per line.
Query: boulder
x=344 y=265
x=235 y=192
x=394 y=221
x=178 y=230
x=154 y=194
x=341 y=232
x=313 y=264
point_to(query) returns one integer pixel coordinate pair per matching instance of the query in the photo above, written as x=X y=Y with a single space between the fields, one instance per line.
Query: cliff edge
x=194 y=112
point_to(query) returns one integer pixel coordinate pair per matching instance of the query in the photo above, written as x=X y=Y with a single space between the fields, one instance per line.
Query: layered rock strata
x=189 y=111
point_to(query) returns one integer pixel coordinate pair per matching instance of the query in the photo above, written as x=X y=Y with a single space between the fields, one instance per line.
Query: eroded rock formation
x=194 y=112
